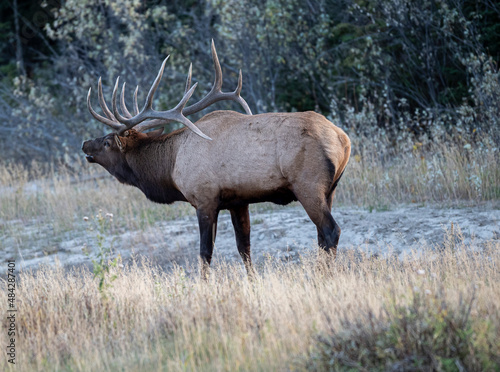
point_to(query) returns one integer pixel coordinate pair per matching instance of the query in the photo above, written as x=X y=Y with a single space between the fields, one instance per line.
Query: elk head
x=109 y=151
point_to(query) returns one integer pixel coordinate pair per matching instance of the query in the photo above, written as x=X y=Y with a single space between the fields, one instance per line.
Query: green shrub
x=430 y=332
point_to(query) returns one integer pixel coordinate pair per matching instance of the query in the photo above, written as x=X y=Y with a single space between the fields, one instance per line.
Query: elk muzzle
x=87 y=149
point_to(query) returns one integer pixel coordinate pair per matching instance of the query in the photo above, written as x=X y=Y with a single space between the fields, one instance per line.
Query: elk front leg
x=207 y=221
x=241 y=223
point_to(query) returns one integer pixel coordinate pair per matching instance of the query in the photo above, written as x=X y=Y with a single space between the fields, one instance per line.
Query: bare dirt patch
x=283 y=233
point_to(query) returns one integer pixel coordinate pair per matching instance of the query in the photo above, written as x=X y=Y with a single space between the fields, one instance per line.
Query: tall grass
x=289 y=318
x=420 y=173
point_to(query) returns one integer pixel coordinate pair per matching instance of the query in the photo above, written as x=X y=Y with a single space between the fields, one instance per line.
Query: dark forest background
x=397 y=68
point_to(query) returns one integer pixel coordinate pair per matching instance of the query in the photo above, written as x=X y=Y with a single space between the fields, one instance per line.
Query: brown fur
x=277 y=157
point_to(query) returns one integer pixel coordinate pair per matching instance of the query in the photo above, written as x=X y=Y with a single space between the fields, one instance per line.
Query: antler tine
x=151 y=93
x=102 y=102
x=237 y=91
x=123 y=104
x=113 y=124
x=147 y=109
x=188 y=80
x=136 y=106
x=218 y=70
x=216 y=93
x=239 y=98
x=113 y=101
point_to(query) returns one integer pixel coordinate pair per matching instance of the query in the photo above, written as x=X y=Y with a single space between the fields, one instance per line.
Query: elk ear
x=155 y=133
x=119 y=143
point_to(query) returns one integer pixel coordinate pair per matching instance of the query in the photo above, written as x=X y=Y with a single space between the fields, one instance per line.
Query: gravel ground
x=285 y=233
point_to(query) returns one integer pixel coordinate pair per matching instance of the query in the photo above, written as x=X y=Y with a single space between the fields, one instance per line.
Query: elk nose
x=83 y=145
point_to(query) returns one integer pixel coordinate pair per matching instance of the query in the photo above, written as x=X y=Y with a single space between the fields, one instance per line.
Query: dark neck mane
x=151 y=164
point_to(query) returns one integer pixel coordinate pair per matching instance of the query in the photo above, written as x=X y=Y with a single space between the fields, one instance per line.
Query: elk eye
x=106 y=143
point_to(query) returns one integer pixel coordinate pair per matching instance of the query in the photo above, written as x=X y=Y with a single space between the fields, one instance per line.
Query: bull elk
x=226 y=160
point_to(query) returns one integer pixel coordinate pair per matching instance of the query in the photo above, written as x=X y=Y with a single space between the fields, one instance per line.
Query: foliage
x=395 y=59
x=278 y=43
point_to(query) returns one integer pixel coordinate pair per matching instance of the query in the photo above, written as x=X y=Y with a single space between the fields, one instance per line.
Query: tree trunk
x=19 y=48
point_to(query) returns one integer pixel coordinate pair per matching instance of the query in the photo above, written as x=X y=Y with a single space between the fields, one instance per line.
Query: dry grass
x=436 y=172
x=151 y=320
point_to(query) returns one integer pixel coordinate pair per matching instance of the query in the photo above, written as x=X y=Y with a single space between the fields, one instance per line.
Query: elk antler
x=216 y=93
x=109 y=119
x=158 y=118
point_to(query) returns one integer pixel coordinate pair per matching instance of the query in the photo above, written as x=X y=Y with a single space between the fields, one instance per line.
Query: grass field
x=433 y=311
x=437 y=309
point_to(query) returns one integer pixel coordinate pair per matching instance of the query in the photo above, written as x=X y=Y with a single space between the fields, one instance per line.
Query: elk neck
x=151 y=165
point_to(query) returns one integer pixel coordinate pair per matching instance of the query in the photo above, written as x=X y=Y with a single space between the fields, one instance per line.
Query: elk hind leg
x=328 y=227
x=328 y=233
x=319 y=211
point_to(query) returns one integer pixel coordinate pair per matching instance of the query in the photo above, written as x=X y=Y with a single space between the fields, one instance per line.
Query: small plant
x=257 y=220
x=102 y=264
